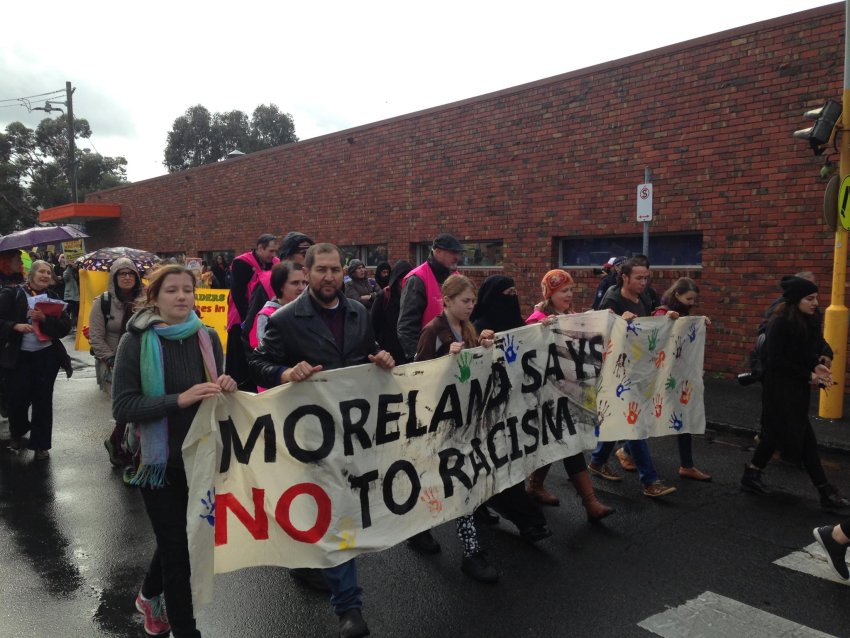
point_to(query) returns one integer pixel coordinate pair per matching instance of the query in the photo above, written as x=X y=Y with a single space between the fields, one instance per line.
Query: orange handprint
x=633 y=413
x=429 y=496
x=659 y=360
x=658 y=402
x=686 y=393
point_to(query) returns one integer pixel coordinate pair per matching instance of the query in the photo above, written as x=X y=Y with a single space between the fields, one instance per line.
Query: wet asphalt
x=75 y=543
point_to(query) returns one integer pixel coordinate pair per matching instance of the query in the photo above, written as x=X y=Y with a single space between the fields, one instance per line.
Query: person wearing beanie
x=557 y=289
x=294 y=247
x=360 y=287
x=793 y=348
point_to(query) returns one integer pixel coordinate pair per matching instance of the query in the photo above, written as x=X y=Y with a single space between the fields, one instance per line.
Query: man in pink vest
x=421 y=301
x=247 y=271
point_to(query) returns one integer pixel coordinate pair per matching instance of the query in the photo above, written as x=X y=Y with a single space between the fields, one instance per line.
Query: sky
x=332 y=65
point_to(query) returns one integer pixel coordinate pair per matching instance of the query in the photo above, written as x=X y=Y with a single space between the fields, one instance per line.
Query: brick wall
x=560 y=157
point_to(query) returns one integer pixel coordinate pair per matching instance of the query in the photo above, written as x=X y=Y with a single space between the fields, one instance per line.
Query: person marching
x=385 y=310
x=557 y=287
x=167 y=363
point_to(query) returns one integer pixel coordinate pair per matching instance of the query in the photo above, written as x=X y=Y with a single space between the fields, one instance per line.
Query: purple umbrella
x=39 y=235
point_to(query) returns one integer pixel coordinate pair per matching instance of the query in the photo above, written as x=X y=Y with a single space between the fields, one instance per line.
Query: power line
x=30 y=97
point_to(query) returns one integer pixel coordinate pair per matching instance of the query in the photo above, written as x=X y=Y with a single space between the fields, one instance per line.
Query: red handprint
x=429 y=497
x=608 y=350
x=658 y=402
x=686 y=393
x=659 y=360
x=633 y=413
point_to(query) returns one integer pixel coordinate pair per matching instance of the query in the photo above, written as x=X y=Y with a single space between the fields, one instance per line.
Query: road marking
x=711 y=615
x=812 y=561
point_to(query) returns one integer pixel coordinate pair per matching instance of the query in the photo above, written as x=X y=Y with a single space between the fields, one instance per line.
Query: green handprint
x=653 y=339
x=463 y=360
x=671 y=383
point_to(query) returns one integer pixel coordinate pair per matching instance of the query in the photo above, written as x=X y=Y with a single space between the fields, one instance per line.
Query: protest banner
x=356 y=460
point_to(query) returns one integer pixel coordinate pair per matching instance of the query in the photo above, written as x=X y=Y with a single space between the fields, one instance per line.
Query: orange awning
x=77 y=213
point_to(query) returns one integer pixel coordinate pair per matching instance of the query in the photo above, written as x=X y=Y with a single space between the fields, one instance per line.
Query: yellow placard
x=211 y=303
x=844 y=203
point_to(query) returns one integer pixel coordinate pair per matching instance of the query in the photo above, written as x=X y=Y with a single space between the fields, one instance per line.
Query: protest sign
x=356 y=460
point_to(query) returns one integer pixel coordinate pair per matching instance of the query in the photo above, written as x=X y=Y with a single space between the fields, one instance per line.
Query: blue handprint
x=676 y=421
x=510 y=348
x=209 y=504
x=632 y=326
x=625 y=386
x=692 y=332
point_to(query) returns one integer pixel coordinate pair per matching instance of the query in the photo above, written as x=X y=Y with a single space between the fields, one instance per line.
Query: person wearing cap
x=360 y=287
x=422 y=301
x=793 y=349
x=557 y=287
x=630 y=301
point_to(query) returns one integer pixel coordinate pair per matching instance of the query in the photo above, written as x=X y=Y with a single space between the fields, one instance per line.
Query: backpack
x=105 y=308
x=757 y=359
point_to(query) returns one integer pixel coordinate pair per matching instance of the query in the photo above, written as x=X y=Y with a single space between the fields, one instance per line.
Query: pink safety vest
x=432 y=291
x=260 y=276
x=268 y=311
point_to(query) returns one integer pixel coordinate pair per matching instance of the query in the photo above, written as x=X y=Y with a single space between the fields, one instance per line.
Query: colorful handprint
x=633 y=413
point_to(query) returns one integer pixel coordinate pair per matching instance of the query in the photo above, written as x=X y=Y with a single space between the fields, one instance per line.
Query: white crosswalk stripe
x=810 y=560
x=711 y=615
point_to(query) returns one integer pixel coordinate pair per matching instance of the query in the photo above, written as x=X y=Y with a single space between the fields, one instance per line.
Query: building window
x=210 y=255
x=665 y=251
x=371 y=254
x=476 y=254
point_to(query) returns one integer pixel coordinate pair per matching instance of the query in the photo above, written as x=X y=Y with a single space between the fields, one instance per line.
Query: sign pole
x=647 y=179
x=836 y=316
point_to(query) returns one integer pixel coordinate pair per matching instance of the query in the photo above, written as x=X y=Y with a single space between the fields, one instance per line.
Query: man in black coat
x=321 y=330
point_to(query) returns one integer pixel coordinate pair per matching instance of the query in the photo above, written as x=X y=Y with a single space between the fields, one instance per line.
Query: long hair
x=681 y=286
x=804 y=324
x=155 y=281
x=452 y=287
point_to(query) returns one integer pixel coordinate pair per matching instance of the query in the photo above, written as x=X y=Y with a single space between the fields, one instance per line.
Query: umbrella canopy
x=39 y=235
x=103 y=258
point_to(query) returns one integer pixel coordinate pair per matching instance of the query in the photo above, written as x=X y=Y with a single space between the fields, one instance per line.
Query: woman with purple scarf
x=167 y=363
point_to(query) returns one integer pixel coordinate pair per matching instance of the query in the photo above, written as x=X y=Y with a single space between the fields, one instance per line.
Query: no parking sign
x=644 y=202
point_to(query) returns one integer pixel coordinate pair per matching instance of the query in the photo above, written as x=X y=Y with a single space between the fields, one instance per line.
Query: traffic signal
x=820 y=135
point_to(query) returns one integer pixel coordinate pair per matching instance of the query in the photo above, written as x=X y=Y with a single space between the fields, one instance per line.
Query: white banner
x=356 y=460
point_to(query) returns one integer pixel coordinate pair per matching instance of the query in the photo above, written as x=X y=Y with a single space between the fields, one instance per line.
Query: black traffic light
x=819 y=135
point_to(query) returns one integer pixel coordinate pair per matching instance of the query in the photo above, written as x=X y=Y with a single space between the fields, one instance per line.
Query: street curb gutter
x=834 y=447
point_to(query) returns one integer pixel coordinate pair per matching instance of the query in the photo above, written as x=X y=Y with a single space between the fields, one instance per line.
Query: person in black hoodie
x=382 y=274
x=384 y=312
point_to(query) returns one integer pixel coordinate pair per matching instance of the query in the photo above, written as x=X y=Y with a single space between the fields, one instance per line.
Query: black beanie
x=795 y=288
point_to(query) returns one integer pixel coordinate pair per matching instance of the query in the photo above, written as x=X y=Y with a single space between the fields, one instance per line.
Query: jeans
x=166 y=508
x=30 y=384
x=638 y=450
x=345 y=592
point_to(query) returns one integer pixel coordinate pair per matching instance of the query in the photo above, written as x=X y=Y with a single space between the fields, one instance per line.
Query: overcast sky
x=332 y=65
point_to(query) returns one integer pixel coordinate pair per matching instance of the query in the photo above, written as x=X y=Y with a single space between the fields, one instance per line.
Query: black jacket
x=13 y=309
x=297 y=333
x=413 y=304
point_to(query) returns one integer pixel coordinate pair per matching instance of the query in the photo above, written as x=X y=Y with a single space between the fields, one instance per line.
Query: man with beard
x=321 y=330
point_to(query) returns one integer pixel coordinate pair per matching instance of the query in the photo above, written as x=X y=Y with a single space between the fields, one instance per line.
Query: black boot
x=832 y=501
x=751 y=481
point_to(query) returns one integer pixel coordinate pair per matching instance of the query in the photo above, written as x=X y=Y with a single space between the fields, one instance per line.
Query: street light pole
x=836 y=316
x=72 y=174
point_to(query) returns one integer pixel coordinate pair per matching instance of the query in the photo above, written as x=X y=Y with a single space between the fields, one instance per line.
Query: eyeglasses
x=126 y=273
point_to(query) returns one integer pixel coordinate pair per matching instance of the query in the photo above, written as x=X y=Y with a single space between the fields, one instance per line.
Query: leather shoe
x=424 y=542
x=535 y=533
x=352 y=625
x=310 y=577
x=694 y=474
x=479 y=568
x=484 y=516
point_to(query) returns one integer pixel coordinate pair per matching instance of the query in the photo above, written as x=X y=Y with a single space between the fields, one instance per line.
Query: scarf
x=154 y=434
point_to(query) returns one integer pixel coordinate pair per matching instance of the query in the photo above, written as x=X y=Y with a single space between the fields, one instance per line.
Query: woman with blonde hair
x=557 y=289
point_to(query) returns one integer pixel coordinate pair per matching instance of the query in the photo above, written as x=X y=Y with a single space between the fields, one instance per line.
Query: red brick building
x=545 y=174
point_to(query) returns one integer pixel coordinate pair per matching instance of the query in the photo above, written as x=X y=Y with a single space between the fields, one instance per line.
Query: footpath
x=730 y=407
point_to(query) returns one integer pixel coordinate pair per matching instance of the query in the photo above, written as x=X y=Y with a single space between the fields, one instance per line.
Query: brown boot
x=596 y=511
x=536 y=490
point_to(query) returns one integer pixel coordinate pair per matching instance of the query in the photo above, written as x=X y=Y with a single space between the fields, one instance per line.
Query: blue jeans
x=345 y=592
x=638 y=450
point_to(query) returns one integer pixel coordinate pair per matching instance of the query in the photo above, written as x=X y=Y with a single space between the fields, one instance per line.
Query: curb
x=834 y=447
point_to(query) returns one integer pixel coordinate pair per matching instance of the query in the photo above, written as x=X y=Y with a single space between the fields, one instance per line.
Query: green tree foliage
x=199 y=137
x=35 y=171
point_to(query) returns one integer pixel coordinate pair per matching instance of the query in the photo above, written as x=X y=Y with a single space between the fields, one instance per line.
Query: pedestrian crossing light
x=820 y=135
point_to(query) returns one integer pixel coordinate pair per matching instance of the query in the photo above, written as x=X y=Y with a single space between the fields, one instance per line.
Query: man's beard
x=318 y=294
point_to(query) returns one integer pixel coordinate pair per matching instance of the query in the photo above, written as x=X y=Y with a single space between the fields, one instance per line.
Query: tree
x=35 y=170
x=198 y=137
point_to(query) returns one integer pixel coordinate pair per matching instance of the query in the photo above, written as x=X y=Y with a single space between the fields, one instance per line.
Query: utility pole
x=836 y=316
x=72 y=153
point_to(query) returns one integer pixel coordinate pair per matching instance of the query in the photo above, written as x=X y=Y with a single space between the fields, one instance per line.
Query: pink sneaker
x=156 y=622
